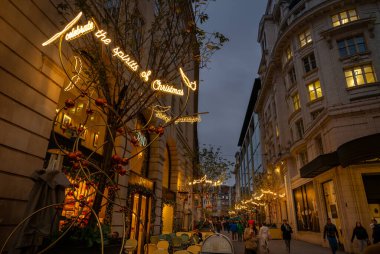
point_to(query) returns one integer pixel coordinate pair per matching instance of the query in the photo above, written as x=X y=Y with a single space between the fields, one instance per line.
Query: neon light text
x=166 y=88
x=79 y=31
x=67 y=27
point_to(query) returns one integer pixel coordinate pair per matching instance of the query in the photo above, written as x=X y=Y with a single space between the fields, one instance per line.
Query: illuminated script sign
x=131 y=63
x=188 y=119
x=163 y=117
x=80 y=30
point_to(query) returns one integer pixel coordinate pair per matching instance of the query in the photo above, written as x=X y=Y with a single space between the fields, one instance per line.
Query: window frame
x=314 y=91
x=340 y=20
x=355 y=77
x=305 y=38
x=347 y=47
x=292 y=76
x=310 y=61
x=296 y=103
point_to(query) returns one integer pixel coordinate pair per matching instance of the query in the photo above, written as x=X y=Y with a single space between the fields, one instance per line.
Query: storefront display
x=306 y=208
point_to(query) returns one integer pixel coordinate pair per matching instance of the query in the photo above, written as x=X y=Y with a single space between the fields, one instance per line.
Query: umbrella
x=49 y=188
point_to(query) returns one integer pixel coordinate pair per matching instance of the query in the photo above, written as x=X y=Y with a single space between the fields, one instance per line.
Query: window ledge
x=363 y=87
x=309 y=73
x=355 y=57
x=310 y=103
x=364 y=92
x=348 y=27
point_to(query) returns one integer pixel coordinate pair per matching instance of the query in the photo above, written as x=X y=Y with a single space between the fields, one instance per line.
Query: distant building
x=249 y=159
x=319 y=113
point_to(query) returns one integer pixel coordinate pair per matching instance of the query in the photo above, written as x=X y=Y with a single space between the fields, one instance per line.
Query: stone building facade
x=319 y=111
x=32 y=89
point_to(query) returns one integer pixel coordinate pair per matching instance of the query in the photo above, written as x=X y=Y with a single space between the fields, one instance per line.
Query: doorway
x=140 y=219
x=332 y=209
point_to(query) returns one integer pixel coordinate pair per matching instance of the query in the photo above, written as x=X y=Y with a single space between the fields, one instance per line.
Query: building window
x=351 y=46
x=296 y=102
x=316 y=113
x=305 y=38
x=303 y=158
x=292 y=76
x=319 y=145
x=309 y=62
x=300 y=129
x=359 y=75
x=315 y=90
x=289 y=53
x=344 y=17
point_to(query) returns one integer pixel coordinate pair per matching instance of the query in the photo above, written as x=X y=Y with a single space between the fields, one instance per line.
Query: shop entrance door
x=372 y=191
x=331 y=205
x=140 y=219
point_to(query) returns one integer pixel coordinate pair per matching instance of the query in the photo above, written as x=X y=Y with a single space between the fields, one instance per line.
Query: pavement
x=278 y=247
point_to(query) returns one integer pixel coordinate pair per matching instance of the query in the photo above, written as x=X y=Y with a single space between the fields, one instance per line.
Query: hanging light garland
x=205 y=180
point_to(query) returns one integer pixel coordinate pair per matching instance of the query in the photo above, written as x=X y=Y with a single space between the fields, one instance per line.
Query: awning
x=349 y=153
x=360 y=149
x=319 y=165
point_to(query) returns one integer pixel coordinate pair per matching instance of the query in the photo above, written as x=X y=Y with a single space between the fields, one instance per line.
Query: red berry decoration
x=120 y=130
x=123 y=172
x=76 y=166
x=85 y=163
x=72 y=156
x=116 y=158
x=160 y=130
x=89 y=111
x=100 y=102
x=124 y=161
x=69 y=103
x=151 y=129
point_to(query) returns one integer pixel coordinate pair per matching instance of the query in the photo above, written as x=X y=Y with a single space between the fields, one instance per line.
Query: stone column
x=156 y=163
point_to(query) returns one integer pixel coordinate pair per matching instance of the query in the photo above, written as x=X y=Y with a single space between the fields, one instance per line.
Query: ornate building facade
x=319 y=111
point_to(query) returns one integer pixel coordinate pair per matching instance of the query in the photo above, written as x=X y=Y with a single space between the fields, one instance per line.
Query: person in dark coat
x=332 y=235
x=233 y=228
x=361 y=234
x=286 y=234
x=376 y=232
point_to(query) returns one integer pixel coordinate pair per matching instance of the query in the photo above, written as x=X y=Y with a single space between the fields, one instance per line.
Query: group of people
x=257 y=242
x=360 y=233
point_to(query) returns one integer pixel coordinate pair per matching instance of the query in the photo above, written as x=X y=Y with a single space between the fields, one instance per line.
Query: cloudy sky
x=226 y=85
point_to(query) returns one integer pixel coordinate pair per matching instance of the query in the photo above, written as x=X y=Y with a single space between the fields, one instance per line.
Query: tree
x=126 y=64
x=213 y=170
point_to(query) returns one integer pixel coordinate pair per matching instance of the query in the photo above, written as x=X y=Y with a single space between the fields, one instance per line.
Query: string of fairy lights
x=256 y=200
x=206 y=181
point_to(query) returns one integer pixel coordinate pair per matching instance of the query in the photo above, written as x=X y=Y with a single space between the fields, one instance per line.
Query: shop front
x=140 y=195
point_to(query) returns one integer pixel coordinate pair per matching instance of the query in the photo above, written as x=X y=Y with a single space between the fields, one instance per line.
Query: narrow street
x=278 y=247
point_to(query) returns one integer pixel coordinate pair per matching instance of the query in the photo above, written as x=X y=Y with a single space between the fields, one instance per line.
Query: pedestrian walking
x=331 y=233
x=218 y=226
x=233 y=228
x=228 y=223
x=375 y=232
x=286 y=234
x=264 y=237
x=240 y=230
x=250 y=241
x=361 y=235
